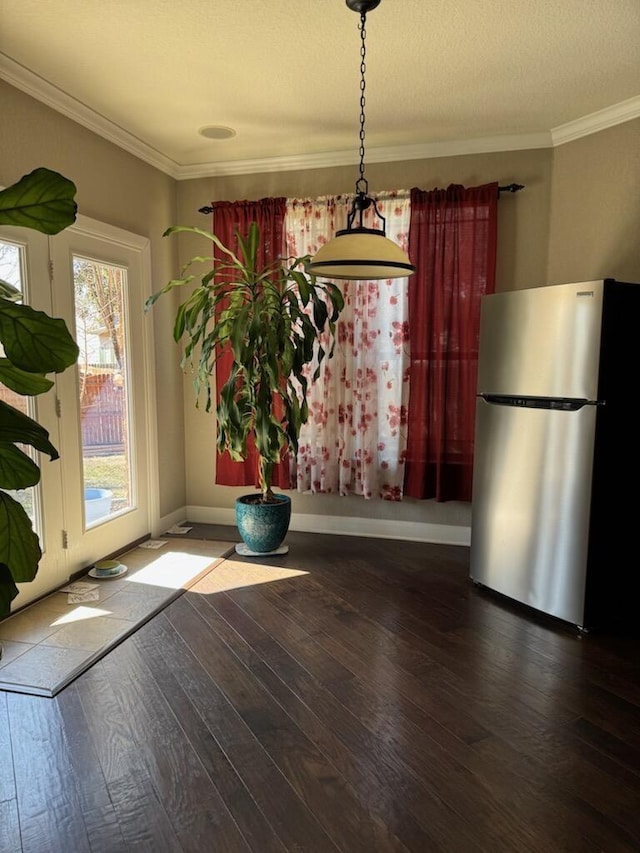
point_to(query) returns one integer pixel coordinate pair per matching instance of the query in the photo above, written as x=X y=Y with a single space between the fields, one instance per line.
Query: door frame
x=87 y=228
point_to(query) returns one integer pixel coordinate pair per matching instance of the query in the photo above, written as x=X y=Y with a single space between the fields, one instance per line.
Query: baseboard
x=375 y=528
x=167 y=521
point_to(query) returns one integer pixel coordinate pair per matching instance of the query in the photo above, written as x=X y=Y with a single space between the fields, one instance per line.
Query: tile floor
x=49 y=643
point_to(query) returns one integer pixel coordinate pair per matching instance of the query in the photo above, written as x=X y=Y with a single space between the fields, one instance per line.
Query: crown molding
x=35 y=86
x=395 y=154
x=595 y=122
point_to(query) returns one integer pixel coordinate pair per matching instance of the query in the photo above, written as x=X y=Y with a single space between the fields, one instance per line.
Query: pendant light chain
x=358 y=252
x=362 y=185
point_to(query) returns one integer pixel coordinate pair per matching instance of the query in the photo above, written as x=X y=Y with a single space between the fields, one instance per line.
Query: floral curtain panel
x=355 y=439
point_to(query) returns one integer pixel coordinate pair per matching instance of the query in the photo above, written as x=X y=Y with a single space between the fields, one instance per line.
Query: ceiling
x=443 y=76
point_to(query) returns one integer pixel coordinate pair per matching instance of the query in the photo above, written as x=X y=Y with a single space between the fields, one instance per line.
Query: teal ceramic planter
x=263 y=527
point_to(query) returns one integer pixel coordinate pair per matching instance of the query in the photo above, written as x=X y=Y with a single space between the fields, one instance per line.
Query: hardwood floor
x=368 y=698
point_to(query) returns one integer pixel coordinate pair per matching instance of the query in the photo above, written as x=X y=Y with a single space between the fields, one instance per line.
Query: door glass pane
x=12 y=266
x=103 y=388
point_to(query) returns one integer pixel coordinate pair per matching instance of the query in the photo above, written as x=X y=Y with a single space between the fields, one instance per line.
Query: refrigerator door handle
x=564 y=404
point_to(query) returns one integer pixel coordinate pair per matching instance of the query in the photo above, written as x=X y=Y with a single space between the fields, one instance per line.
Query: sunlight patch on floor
x=171 y=570
x=80 y=613
x=236 y=574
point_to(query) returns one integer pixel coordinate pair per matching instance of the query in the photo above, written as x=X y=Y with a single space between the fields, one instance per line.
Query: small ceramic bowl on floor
x=107 y=569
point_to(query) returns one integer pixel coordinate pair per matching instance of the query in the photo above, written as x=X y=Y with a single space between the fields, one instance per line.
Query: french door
x=100 y=414
x=107 y=444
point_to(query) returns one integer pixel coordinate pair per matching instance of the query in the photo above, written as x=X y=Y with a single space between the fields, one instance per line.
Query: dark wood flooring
x=379 y=702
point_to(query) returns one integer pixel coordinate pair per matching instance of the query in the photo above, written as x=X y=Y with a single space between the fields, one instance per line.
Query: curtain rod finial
x=510 y=188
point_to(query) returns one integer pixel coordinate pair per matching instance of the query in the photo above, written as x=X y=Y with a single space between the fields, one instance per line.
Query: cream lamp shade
x=360 y=254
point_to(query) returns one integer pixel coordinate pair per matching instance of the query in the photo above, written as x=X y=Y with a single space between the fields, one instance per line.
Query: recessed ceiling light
x=217 y=131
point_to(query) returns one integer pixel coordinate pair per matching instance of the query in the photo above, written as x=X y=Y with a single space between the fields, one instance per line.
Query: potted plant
x=272 y=318
x=33 y=344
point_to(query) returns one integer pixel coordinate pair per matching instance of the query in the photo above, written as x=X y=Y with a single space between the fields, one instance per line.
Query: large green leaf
x=27 y=384
x=17 y=470
x=16 y=427
x=19 y=545
x=8 y=590
x=42 y=200
x=35 y=342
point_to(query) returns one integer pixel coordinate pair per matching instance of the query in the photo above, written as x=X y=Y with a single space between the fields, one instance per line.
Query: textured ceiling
x=285 y=75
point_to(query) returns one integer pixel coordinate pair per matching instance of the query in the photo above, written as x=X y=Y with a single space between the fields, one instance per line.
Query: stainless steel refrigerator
x=556 y=478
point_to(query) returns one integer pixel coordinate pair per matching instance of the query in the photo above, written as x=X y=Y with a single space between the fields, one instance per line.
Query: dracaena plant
x=272 y=319
x=33 y=345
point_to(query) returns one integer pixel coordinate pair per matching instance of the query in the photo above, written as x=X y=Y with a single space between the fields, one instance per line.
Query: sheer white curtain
x=355 y=439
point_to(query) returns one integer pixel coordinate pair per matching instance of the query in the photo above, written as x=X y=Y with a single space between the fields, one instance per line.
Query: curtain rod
x=508 y=188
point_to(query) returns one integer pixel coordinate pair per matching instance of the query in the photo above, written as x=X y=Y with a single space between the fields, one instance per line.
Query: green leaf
x=190 y=229
x=304 y=286
x=238 y=333
x=262 y=433
x=175 y=282
x=179 y=325
x=254 y=240
x=19 y=545
x=319 y=312
x=337 y=299
x=35 y=342
x=249 y=248
x=17 y=470
x=293 y=418
x=16 y=427
x=8 y=591
x=27 y=384
x=42 y=200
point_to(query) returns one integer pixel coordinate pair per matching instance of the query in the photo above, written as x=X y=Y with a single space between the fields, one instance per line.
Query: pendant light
x=357 y=252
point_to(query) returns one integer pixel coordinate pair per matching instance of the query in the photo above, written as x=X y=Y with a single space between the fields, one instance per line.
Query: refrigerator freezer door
x=542 y=342
x=531 y=505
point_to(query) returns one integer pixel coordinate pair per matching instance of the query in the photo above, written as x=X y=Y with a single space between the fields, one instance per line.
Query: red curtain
x=229 y=217
x=452 y=242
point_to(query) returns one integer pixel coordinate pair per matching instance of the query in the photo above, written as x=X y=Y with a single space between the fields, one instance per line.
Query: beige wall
x=119 y=189
x=595 y=207
x=577 y=218
x=522 y=262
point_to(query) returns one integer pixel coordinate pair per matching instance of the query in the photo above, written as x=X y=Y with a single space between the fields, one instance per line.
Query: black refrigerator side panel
x=613 y=569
